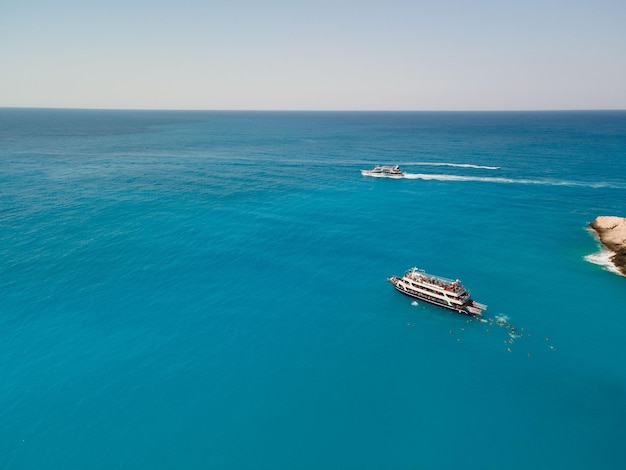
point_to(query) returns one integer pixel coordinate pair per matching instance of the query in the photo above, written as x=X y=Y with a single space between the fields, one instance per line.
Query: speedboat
x=384 y=172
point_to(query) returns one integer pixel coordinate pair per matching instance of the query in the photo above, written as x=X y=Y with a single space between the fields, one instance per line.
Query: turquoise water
x=208 y=290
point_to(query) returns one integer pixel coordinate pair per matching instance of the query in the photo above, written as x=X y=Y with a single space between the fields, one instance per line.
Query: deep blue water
x=208 y=290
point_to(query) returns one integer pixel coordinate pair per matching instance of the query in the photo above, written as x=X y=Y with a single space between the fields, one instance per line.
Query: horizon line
x=288 y=110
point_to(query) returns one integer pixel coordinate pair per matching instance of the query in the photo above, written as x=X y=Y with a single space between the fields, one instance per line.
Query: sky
x=313 y=54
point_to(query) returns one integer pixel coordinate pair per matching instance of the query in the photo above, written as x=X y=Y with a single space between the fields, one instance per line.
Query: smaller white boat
x=384 y=172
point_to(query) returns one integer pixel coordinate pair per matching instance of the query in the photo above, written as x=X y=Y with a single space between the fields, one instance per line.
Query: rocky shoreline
x=612 y=233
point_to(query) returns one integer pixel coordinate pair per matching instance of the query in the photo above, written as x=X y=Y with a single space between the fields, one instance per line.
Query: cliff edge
x=612 y=233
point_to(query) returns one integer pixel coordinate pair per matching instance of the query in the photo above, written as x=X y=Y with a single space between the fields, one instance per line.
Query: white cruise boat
x=384 y=172
x=437 y=291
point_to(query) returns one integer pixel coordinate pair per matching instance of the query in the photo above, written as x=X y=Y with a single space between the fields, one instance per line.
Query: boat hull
x=381 y=175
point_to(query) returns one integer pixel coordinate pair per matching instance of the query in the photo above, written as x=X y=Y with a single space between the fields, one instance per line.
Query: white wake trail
x=456 y=165
x=489 y=179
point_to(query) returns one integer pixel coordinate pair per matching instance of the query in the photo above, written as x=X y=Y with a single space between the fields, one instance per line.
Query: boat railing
x=437 y=281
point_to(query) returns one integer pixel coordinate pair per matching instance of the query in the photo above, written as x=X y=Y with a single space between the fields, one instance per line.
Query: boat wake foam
x=491 y=179
x=456 y=165
x=501 y=320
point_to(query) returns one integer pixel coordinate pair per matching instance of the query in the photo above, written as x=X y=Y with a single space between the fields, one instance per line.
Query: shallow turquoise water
x=208 y=289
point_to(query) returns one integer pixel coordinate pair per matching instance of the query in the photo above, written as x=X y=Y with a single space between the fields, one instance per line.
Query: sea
x=195 y=289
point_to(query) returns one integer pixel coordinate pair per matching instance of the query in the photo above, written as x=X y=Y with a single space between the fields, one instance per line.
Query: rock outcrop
x=612 y=233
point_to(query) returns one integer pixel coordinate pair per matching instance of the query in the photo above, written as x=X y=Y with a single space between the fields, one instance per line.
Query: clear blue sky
x=314 y=54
